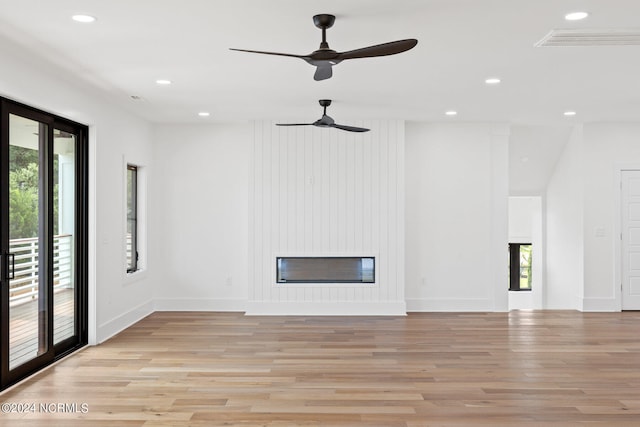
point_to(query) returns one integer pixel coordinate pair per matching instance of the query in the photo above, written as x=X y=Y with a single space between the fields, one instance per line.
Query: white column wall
x=564 y=214
x=456 y=217
x=325 y=192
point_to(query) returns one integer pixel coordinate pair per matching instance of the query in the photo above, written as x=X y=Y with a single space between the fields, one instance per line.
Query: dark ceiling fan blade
x=324 y=57
x=271 y=53
x=323 y=72
x=349 y=128
x=384 y=49
x=326 y=121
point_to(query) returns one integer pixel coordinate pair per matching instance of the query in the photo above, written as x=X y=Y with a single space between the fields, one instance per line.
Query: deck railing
x=24 y=286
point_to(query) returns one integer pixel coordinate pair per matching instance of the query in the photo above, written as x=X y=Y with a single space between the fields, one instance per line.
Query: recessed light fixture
x=163 y=82
x=451 y=113
x=492 y=81
x=524 y=159
x=204 y=114
x=575 y=16
x=569 y=113
x=84 y=18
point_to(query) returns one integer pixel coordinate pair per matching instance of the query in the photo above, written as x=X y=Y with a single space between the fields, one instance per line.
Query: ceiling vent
x=582 y=37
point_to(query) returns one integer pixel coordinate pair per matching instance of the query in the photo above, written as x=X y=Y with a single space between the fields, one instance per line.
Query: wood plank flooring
x=23 y=326
x=540 y=368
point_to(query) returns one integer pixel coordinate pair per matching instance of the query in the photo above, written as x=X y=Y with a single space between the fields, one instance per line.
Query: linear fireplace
x=325 y=269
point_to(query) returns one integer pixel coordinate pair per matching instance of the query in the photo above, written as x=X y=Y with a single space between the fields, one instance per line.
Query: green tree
x=23 y=199
x=23 y=192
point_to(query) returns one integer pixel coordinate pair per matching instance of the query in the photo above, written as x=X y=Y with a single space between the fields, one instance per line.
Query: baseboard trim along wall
x=200 y=304
x=125 y=320
x=332 y=308
x=449 y=304
x=600 y=304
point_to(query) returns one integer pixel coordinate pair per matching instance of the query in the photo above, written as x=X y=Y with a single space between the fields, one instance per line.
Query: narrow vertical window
x=519 y=266
x=132 y=219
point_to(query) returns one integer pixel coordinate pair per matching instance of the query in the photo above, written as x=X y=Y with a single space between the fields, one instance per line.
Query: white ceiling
x=461 y=43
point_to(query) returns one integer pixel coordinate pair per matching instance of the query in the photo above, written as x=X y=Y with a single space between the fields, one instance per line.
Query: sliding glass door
x=42 y=239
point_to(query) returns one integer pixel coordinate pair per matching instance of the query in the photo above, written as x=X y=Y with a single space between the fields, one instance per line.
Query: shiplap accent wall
x=325 y=192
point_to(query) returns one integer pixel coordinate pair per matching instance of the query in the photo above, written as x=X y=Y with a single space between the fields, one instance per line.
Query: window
x=132 y=219
x=519 y=266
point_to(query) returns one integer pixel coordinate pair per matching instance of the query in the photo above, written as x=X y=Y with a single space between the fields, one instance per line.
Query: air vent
x=582 y=37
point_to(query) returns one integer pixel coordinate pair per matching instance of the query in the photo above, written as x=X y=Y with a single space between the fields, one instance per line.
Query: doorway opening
x=525 y=253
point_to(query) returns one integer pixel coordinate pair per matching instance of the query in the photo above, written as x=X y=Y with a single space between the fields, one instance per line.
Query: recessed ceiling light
x=492 y=81
x=204 y=114
x=569 y=113
x=163 y=82
x=575 y=16
x=451 y=113
x=524 y=159
x=83 y=18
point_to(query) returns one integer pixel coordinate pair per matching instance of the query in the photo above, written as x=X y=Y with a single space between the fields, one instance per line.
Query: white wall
x=533 y=153
x=456 y=217
x=114 y=134
x=564 y=215
x=583 y=217
x=200 y=205
x=325 y=192
x=608 y=148
x=520 y=219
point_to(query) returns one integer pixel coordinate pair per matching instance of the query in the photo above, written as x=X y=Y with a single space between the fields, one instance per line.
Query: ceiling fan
x=324 y=58
x=326 y=121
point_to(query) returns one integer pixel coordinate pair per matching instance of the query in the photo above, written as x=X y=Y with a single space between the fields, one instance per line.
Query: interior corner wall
x=200 y=215
x=564 y=231
x=324 y=192
x=114 y=134
x=608 y=148
x=456 y=217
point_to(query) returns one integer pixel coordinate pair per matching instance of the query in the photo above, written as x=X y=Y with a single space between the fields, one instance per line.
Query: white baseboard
x=329 y=308
x=600 y=304
x=449 y=304
x=200 y=304
x=123 y=321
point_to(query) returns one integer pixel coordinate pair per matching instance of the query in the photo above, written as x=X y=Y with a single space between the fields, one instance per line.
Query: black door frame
x=79 y=339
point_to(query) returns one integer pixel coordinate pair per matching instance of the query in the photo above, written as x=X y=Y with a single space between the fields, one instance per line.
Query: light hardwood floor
x=543 y=368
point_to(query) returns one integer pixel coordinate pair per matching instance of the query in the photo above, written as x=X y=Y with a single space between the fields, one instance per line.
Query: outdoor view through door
x=42 y=239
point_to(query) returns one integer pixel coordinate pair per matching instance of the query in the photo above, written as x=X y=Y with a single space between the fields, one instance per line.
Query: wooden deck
x=23 y=335
x=538 y=368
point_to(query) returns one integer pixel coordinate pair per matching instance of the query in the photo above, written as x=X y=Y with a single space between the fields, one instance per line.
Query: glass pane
x=525 y=266
x=132 y=231
x=27 y=297
x=325 y=269
x=64 y=224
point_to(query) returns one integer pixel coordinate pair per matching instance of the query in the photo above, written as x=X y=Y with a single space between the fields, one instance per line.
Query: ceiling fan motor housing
x=324 y=21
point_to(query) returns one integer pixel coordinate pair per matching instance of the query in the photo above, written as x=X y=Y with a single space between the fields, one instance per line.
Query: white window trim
x=141 y=272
